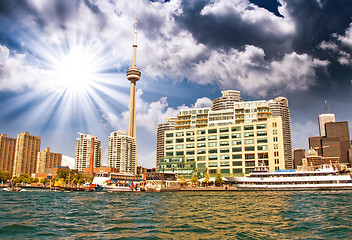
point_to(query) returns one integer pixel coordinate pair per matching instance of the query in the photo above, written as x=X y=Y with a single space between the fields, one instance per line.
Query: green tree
x=194 y=179
x=5 y=176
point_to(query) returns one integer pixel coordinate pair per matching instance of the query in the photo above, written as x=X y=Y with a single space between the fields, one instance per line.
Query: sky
x=63 y=63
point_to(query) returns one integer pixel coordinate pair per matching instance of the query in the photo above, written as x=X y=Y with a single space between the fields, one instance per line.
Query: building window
x=200 y=145
x=263 y=147
x=200 y=132
x=222 y=157
x=262 y=140
x=263 y=155
x=236 y=129
x=249 y=156
x=224 y=136
x=250 y=148
x=212 y=144
x=237 y=142
x=261 y=126
x=222 y=130
x=201 y=165
x=212 y=171
x=276 y=146
x=248 y=134
x=261 y=133
x=277 y=161
x=225 y=170
x=277 y=168
x=212 y=131
x=237 y=163
x=237 y=170
x=248 y=141
x=179 y=153
x=237 y=156
x=168 y=141
x=189 y=133
x=249 y=127
x=237 y=149
x=214 y=137
x=236 y=135
x=201 y=158
x=169 y=153
x=190 y=145
x=276 y=154
x=179 y=140
x=200 y=139
x=169 y=135
x=190 y=139
x=190 y=159
x=179 y=146
x=170 y=147
x=224 y=143
x=275 y=139
x=201 y=152
x=190 y=152
x=224 y=164
x=179 y=134
x=212 y=158
x=275 y=132
x=213 y=150
x=248 y=170
x=212 y=164
x=224 y=150
x=250 y=164
x=274 y=124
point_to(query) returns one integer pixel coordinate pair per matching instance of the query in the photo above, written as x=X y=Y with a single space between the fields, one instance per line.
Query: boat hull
x=305 y=187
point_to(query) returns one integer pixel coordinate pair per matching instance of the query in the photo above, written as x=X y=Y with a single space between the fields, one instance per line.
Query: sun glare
x=75 y=70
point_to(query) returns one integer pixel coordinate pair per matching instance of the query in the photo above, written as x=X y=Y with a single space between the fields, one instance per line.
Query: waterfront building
x=122 y=152
x=279 y=107
x=226 y=101
x=298 y=155
x=322 y=120
x=47 y=159
x=314 y=161
x=87 y=146
x=230 y=141
x=7 y=153
x=336 y=143
x=27 y=148
x=169 y=125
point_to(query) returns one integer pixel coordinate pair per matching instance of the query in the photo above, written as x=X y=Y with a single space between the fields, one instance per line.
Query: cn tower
x=133 y=75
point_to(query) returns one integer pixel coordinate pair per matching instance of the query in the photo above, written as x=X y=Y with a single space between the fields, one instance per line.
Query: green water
x=40 y=214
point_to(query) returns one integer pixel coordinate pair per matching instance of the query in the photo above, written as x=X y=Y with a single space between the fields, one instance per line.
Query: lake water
x=41 y=214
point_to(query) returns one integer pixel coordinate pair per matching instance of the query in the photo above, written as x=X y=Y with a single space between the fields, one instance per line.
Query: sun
x=75 y=71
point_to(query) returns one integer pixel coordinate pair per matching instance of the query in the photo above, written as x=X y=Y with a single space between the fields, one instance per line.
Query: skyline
x=63 y=64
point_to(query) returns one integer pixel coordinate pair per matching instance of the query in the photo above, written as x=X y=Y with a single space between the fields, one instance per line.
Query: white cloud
x=301 y=132
x=329 y=46
x=253 y=14
x=346 y=40
x=203 y=102
x=254 y=73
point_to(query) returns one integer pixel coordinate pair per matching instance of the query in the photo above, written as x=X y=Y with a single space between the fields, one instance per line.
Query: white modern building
x=84 y=150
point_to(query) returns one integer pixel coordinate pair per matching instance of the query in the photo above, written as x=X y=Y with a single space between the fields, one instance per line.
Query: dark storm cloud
x=231 y=31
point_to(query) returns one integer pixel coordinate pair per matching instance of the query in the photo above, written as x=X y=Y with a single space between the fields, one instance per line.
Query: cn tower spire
x=133 y=75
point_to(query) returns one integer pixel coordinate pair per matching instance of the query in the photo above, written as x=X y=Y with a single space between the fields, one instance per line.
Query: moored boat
x=325 y=178
x=160 y=182
x=115 y=182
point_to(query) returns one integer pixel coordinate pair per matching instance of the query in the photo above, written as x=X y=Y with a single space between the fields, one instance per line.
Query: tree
x=183 y=181
x=218 y=179
x=5 y=176
x=206 y=179
x=194 y=179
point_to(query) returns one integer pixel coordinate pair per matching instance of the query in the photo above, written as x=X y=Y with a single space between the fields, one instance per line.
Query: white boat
x=160 y=182
x=115 y=182
x=321 y=179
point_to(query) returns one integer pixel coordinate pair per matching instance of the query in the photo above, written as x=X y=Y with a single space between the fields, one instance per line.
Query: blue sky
x=63 y=63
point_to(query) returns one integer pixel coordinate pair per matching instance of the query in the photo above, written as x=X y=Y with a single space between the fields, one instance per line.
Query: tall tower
x=133 y=75
x=279 y=107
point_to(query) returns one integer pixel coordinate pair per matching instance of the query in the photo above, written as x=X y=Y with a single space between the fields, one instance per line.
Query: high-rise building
x=122 y=152
x=27 y=148
x=84 y=150
x=323 y=119
x=298 y=155
x=279 y=107
x=169 y=125
x=47 y=159
x=230 y=141
x=7 y=153
x=336 y=143
x=226 y=101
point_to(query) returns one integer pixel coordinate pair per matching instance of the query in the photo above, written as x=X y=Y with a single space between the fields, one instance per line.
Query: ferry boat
x=160 y=182
x=115 y=182
x=325 y=178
